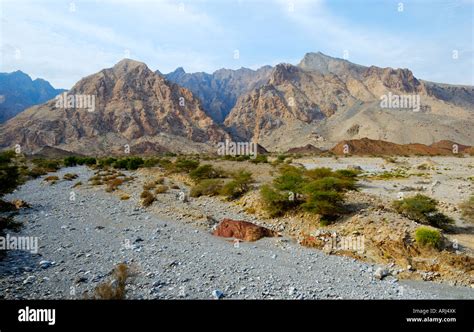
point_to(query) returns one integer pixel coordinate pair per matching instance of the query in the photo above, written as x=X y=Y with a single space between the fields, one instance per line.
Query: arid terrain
x=169 y=245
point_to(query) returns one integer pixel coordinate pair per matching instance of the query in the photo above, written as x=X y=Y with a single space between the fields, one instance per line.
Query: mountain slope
x=18 y=92
x=219 y=91
x=324 y=100
x=133 y=105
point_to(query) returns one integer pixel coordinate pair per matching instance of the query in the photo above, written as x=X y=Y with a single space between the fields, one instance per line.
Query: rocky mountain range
x=319 y=102
x=220 y=90
x=18 y=92
x=135 y=110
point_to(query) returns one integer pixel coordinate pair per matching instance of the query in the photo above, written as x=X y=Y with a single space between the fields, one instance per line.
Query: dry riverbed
x=171 y=250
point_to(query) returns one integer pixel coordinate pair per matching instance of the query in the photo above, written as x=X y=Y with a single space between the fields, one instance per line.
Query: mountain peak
x=128 y=64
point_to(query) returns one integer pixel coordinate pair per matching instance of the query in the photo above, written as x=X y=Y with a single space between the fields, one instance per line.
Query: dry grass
x=116 y=288
x=51 y=178
x=147 y=198
x=161 y=189
x=149 y=185
x=124 y=197
x=113 y=184
x=70 y=176
x=77 y=184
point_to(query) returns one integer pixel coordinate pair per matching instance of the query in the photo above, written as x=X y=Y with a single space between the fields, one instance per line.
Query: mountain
x=18 y=92
x=325 y=100
x=367 y=146
x=133 y=108
x=219 y=91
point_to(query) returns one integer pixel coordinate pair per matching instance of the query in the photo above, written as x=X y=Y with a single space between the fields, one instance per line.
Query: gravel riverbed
x=84 y=232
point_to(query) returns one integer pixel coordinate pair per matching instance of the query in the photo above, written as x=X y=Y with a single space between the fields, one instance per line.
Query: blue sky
x=63 y=41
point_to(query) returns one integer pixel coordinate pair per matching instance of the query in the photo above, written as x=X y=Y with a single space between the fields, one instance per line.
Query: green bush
x=185 y=165
x=86 y=161
x=422 y=209
x=275 y=202
x=9 y=173
x=70 y=161
x=134 y=162
x=428 y=237
x=290 y=179
x=205 y=172
x=46 y=164
x=151 y=162
x=238 y=186
x=130 y=163
x=206 y=187
x=105 y=162
x=319 y=191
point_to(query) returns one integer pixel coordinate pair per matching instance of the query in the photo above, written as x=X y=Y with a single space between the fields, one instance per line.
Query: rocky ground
x=84 y=232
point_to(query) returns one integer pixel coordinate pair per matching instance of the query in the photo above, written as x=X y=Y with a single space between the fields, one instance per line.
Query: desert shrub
x=9 y=174
x=70 y=161
x=106 y=162
x=259 y=159
x=134 y=162
x=239 y=185
x=86 y=161
x=206 y=187
x=130 y=163
x=422 y=209
x=275 y=202
x=290 y=179
x=160 y=189
x=113 y=184
x=151 y=162
x=205 y=172
x=149 y=185
x=185 y=165
x=467 y=209
x=70 y=176
x=147 y=198
x=51 y=178
x=48 y=165
x=116 y=288
x=319 y=191
x=428 y=237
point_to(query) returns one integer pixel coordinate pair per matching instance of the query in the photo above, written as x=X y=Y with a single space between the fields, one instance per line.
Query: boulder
x=242 y=230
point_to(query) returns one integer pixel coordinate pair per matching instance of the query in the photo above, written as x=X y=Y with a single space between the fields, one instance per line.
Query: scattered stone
x=217 y=294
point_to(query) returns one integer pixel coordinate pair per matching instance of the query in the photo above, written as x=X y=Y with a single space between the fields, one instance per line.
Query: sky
x=63 y=41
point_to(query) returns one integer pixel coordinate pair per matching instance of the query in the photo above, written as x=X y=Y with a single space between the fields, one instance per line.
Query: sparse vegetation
x=467 y=209
x=205 y=172
x=113 y=184
x=425 y=236
x=9 y=174
x=239 y=185
x=70 y=176
x=116 y=288
x=147 y=198
x=317 y=191
x=422 y=209
x=160 y=189
x=206 y=187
